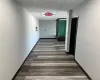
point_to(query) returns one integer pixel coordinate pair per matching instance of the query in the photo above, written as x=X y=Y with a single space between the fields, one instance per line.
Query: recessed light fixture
x=48 y=14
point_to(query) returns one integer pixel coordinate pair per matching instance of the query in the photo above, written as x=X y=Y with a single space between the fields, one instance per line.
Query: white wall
x=68 y=30
x=47 y=28
x=88 y=38
x=17 y=37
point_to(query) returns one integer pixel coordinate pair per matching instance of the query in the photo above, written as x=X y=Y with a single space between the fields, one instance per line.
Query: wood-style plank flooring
x=48 y=61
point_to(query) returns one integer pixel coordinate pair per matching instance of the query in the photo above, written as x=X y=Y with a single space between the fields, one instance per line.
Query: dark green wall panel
x=62 y=28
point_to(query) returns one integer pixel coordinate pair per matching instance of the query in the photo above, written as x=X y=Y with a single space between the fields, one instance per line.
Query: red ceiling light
x=49 y=14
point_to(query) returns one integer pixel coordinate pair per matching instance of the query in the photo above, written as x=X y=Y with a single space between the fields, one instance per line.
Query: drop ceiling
x=59 y=7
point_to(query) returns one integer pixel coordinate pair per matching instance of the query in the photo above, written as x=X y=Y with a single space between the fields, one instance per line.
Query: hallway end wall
x=88 y=37
x=47 y=28
x=18 y=36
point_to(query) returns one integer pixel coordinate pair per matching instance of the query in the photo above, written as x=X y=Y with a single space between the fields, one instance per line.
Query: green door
x=62 y=28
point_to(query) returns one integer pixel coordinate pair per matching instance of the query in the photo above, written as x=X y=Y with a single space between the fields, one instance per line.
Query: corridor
x=48 y=61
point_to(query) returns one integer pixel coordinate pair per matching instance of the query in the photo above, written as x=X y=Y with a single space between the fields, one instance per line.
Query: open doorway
x=73 y=35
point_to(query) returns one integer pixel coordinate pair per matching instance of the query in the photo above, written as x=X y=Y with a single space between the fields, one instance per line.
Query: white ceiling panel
x=60 y=7
x=42 y=5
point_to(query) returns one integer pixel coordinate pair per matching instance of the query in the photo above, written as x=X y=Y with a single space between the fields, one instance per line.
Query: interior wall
x=68 y=30
x=88 y=37
x=17 y=37
x=47 y=28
